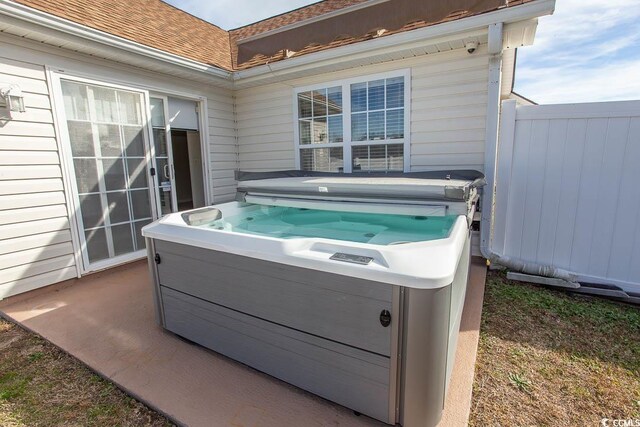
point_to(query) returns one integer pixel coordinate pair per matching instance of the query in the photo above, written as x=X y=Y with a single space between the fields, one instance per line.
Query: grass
x=550 y=358
x=41 y=385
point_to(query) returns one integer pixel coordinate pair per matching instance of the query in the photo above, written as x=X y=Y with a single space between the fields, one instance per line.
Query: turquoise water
x=379 y=229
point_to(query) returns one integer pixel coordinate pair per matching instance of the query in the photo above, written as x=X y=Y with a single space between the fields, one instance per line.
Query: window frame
x=347 y=143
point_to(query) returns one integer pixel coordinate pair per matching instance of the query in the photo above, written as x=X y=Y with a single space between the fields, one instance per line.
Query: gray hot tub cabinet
x=383 y=350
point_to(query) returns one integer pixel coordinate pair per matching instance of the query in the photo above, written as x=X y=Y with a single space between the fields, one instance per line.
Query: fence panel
x=568 y=189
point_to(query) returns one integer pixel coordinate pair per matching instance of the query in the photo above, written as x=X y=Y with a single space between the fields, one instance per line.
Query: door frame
x=203 y=130
x=54 y=76
x=172 y=175
x=83 y=264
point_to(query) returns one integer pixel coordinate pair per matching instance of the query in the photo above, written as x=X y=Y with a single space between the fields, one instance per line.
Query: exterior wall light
x=11 y=98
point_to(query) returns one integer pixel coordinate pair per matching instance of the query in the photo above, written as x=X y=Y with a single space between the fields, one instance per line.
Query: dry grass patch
x=41 y=385
x=547 y=358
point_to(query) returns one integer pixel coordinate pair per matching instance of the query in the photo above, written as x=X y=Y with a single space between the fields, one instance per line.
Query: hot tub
x=348 y=287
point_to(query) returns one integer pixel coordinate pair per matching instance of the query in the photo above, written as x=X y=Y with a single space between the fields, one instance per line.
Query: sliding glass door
x=163 y=155
x=111 y=167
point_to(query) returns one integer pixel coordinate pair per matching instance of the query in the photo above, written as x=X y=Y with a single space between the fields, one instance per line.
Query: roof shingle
x=152 y=23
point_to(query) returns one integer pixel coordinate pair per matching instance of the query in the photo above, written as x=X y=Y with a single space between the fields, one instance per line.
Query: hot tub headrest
x=201 y=216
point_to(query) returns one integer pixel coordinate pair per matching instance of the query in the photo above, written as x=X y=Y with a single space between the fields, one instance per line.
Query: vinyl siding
x=448 y=113
x=220 y=103
x=35 y=236
x=223 y=153
x=35 y=239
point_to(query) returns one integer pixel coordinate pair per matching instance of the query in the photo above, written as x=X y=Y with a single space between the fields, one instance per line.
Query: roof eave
x=463 y=27
x=52 y=22
x=345 y=53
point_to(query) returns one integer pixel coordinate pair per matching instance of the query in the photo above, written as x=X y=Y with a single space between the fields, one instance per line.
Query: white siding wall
x=448 y=113
x=223 y=151
x=35 y=237
x=35 y=240
x=219 y=101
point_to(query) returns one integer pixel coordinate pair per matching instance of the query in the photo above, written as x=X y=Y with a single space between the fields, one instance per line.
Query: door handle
x=166 y=171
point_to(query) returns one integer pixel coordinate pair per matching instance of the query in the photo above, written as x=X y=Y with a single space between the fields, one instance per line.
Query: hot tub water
x=377 y=229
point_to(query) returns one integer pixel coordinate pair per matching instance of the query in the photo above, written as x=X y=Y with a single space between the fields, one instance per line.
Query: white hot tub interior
x=293 y=222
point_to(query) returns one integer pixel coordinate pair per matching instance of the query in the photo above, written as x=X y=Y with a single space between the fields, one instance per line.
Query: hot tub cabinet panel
x=340 y=308
x=431 y=322
x=355 y=378
x=317 y=330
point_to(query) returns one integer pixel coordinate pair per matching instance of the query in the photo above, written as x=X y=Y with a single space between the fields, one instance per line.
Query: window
x=320 y=121
x=354 y=125
x=379 y=157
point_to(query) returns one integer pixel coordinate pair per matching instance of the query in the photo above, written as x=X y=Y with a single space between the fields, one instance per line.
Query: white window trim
x=347 y=144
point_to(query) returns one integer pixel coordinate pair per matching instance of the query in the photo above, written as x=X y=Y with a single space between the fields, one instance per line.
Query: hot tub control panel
x=354 y=259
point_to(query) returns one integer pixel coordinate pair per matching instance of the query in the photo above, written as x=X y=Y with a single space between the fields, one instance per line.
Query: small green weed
x=12 y=385
x=34 y=357
x=520 y=382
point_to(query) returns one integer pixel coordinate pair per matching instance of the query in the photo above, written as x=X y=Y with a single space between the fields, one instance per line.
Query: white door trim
x=169 y=142
x=58 y=111
x=201 y=100
x=83 y=266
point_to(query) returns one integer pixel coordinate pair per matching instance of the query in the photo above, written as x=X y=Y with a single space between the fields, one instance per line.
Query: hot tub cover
x=437 y=185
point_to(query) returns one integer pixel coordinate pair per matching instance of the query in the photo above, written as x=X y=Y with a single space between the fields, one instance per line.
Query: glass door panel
x=163 y=156
x=106 y=134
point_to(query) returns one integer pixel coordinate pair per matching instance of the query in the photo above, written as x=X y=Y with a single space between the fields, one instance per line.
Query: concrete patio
x=106 y=321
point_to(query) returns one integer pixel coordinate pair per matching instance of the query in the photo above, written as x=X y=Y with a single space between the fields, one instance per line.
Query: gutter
x=47 y=20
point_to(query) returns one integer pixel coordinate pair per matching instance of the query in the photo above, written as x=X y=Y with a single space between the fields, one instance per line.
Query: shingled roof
x=159 y=25
x=152 y=23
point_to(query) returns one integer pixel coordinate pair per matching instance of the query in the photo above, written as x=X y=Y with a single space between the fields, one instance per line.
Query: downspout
x=495 y=47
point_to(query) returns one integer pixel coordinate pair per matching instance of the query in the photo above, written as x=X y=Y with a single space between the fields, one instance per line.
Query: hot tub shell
x=378 y=338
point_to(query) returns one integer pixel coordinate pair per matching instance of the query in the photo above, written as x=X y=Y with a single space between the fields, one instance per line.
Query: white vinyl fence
x=568 y=189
